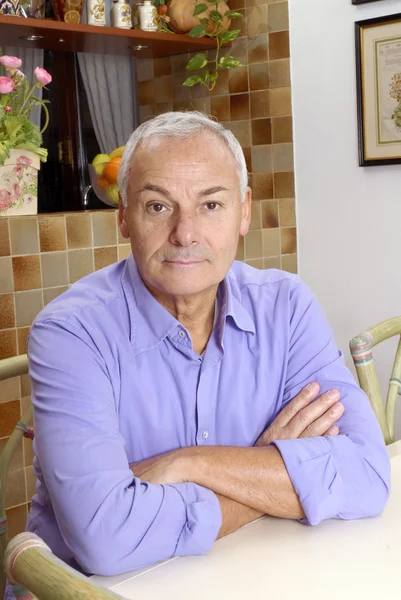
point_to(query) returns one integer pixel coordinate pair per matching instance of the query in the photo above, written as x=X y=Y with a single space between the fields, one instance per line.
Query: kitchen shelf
x=57 y=35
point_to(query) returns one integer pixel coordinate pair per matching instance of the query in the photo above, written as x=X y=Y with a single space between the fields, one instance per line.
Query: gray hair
x=181 y=125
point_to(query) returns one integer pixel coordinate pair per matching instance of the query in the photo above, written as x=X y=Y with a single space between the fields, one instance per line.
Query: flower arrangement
x=17 y=98
x=395 y=93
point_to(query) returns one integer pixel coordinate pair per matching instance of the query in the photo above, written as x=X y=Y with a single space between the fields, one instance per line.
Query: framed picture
x=363 y=1
x=378 y=72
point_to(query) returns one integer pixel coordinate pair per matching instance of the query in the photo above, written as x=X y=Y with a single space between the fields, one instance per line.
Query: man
x=179 y=395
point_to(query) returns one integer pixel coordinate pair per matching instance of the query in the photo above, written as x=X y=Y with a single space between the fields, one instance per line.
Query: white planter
x=19 y=184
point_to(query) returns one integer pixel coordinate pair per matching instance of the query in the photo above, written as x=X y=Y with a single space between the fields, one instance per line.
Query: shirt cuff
x=203 y=519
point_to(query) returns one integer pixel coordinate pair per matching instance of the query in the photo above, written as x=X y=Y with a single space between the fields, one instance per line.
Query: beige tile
x=120 y=238
x=180 y=91
x=146 y=112
x=162 y=66
x=4 y=237
x=198 y=91
x=22 y=339
x=16 y=520
x=144 y=69
x=279 y=45
x=146 y=92
x=262 y=186
x=279 y=73
x=26 y=271
x=221 y=86
x=163 y=89
x=259 y=76
x=241 y=130
x=104 y=229
x=25 y=385
x=24 y=235
x=124 y=251
x=30 y=482
x=272 y=262
x=9 y=415
x=239 y=107
x=262 y=159
x=6 y=275
x=282 y=130
x=179 y=62
x=8 y=344
x=80 y=263
x=238 y=80
x=17 y=461
x=79 y=231
x=182 y=105
x=248 y=158
x=27 y=306
x=10 y=389
x=105 y=256
x=261 y=131
x=7 y=316
x=240 y=23
x=256 y=20
x=278 y=16
x=258 y=48
x=271 y=242
x=288 y=240
x=256 y=263
x=280 y=102
x=240 y=249
x=52 y=233
x=202 y=104
x=270 y=218
x=253 y=245
x=220 y=107
x=289 y=263
x=256 y=221
x=283 y=157
x=284 y=185
x=163 y=107
x=238 y=50
x=54 y=269
x=15 y=488
x=260 y=104
x=52 y=293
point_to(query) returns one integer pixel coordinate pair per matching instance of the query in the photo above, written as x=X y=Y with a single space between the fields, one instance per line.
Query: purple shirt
x=115 y=380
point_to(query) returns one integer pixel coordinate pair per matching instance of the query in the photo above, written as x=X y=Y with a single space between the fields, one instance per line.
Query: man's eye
x=156 y=207
x=212 y=206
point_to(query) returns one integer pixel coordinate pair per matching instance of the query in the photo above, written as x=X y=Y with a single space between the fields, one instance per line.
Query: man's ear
x=246 y=212
x=121 y=218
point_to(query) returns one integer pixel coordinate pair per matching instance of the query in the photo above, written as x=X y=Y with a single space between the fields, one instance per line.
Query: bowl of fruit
x=103 y=174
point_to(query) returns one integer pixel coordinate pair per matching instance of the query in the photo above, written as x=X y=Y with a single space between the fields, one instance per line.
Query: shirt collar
x=151 y=322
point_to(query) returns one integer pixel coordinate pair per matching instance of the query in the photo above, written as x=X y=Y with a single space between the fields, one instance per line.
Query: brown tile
x=202 y=104
x=164 y=89
x=270 y=218
x=10 y=389
x=258 y=49
x=282 y=130
x=238 y=80
x=259 y=76
x=8 y=344
x=79 y=231
x=144 y=69
x=280 y=102
x=52 y=293
x=16 y=520
x=124 y=251
x=241 y=130
x=104 y=229
x=80 y=263
x=289 y=263
x=253 y=245
x=27 y=306
x=260 y=104
x=279 y=73
x=248 y=158
x=28 y=452
x=221 y=86
x=15 y=488
x=179 y=62
x=278 y=16
x=180 y=92
x=25 y=385
x=22 y=338
x=105 y=257
x=239 y=50
x=51 y=233
x=182 y=105
x=17 y=461
x=284 y=185
x=146 y=90
x=199 y=91
x=240 y=249
x=241 y=23
x=146 y=112
x=161 y=66
x=24 y=235
x=256 y=222
x=4 y=237
x=6 y=275
x=256 y=20
x=7 y=316
x=163 y=107
x=283 y=157
x=239 y=107
x=279 y=45
x=26 y=270
x=261 y=132
x=262 y=186
x=30 y=482
x=256 y=263
x=272 y=262
x=54 y=269
x=288 y=240
x=220 y=107
x=271 y=242
x=9 y=415
x=262 y=159
x=236 y=4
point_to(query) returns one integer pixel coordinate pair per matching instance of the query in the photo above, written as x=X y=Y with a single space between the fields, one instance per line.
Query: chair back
x=361 y=348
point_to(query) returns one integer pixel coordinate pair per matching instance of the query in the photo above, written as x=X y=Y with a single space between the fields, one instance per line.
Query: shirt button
x=181 y=333
x=205 y=434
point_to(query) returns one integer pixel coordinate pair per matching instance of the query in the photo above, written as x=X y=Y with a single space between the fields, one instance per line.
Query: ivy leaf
x=200 y=8
x=204 y=21
x=190 y=81
x=216 y=16
x=204 y=75
x=197 y=62
x=229 y=62
x=198 y=31
x=229 y=36
x=233 y=14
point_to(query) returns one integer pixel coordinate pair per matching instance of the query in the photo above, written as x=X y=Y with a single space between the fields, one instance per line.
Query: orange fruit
x=72 y=16
x=111 y=170
x=103 y=182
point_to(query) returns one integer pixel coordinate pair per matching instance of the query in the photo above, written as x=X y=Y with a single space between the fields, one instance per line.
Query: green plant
x=209 y=69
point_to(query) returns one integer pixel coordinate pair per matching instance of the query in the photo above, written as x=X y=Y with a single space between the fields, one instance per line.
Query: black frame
x=359 y=25
x=363 y=1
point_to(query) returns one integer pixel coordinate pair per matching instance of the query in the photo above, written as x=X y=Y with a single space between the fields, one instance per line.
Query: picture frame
x=378 y=82
x=363 y=1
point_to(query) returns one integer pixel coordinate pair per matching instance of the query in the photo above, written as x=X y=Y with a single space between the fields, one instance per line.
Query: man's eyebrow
x=213 y=190
x=151 y=187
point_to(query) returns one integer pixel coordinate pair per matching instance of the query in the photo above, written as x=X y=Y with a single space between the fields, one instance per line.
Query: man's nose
x=185 y=231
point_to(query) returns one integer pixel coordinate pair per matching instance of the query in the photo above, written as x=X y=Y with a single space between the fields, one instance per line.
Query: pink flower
x=6 y=85
x=23 y=160
x=10 y=62
x=5 y=199
x=28 y=198
x=18 y=170
x=42 y=76
x=7 y=108
x=16 y=190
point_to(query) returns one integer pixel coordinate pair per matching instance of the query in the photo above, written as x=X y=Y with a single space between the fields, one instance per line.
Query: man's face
x=184 y=213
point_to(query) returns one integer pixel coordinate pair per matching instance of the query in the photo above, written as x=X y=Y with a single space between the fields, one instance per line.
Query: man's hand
x=305 y=416
x=162 y=469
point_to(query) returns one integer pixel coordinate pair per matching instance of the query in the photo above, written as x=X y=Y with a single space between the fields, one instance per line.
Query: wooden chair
x=361 y=350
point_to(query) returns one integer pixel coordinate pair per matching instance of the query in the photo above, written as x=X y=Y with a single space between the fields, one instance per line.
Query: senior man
x=179 y=394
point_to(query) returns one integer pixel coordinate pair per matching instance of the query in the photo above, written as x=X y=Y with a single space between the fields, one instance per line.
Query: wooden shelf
x=57 y=35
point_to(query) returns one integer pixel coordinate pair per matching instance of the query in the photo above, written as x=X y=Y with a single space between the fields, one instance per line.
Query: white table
x=283 y=560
